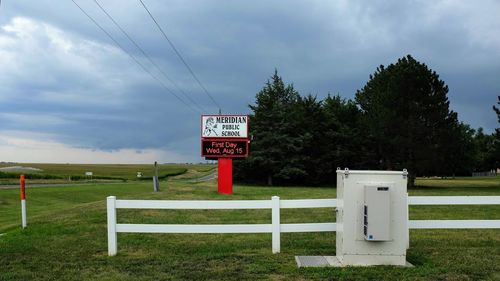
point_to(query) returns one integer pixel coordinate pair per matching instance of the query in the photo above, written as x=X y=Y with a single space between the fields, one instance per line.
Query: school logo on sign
x=210 y=127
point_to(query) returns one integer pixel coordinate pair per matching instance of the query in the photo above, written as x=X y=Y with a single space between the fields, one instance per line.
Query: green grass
x=66 y=237
x=106 y=171
x=460 y=182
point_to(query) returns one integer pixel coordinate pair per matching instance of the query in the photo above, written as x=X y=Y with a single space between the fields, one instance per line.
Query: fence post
x=407 y=222
x=112 y=239
x=275 y=204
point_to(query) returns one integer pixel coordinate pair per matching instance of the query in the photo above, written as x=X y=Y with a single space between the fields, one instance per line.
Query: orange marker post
x=23 y=201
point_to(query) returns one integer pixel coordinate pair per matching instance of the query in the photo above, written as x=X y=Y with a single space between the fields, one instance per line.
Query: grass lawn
x=460 y=182
x=66 y=237
x=112 y=171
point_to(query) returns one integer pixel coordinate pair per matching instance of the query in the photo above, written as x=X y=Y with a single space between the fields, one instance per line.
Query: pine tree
x=497 y=111
x=271 y=125
x=484 y=151
x=406 y=113
x=309 y=140
x=344 y=144
x=496 y=155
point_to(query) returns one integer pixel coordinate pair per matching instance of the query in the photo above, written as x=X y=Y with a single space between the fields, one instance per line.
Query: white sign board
x=224 y=126
x=89 y=173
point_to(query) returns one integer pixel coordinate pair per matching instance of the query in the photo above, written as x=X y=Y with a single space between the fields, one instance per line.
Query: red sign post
x=224 y=137
x=225 y=175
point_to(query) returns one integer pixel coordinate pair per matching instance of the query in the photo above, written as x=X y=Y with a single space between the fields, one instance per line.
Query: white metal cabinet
x=353 y=192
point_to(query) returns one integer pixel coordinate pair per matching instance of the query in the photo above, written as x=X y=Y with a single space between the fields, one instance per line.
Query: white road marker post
x=275 y=217
x=23 y=201
x=112 y=237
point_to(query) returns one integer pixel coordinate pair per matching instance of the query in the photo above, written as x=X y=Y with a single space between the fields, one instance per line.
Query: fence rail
x=275 y=227
x=485 y=174
x=455 y=224
x=193 y=204
x=194 y=228
x=453 y=200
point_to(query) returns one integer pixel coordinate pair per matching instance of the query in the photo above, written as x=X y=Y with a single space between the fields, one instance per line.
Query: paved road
x=208 y=177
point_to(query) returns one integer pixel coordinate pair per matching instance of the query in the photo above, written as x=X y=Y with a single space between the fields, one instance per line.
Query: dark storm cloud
x=67 y=79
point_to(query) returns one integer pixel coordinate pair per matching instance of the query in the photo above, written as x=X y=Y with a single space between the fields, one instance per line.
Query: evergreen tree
x=343 y=142
x=484 y=151
x=399 y=119
x=274 y=146
x=307 y=132
x=460 y=152
x=406 y=113
x=496 y=156
x=497 y=111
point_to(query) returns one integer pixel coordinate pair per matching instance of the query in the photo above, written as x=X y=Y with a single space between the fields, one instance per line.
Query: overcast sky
x=69 y=94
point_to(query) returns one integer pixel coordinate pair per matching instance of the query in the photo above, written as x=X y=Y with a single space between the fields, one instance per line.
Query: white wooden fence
x=453 y=200
x=275 y=204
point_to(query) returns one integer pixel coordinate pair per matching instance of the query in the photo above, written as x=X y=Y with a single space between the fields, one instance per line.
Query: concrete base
x=327 y=261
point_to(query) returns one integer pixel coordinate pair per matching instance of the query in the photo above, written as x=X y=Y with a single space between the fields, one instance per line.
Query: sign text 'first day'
x=214 y=148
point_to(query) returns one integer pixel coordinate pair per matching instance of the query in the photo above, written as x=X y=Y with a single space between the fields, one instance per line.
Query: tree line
x=400 y=119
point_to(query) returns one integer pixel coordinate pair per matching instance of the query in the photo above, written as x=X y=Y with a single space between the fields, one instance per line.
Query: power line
x=180 y=57
x=147 y=56
x=131 y=56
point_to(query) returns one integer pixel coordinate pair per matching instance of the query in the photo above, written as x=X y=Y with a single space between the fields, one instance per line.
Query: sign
x=89 y=173
x=215 y=148
x=224 y=137
x=224 y=126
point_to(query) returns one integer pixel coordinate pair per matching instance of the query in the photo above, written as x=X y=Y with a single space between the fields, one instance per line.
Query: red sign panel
x=214 y=148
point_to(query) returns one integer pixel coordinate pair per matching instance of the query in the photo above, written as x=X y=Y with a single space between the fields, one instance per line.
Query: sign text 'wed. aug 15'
x=224 y=148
